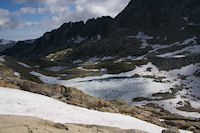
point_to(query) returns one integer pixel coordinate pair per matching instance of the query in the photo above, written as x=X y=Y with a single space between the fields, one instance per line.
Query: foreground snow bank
x=17 y=102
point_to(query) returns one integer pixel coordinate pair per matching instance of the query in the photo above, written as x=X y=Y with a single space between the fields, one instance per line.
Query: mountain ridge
x=67 y=36
x=165 y=21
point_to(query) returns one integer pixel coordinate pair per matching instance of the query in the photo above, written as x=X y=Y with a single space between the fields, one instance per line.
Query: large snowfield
x=17 y=102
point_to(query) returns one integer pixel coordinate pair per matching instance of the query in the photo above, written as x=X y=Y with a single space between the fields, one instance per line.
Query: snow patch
x=189 y=23
x=182 y=28
x=93 y=60
x=187 y=41
x=195 y=49
x=143 y=38
x=174 y=76
x=17 y=74
x=54 y=68
x=77 y=61
x=98 y=37
x=107 y=58
x=91 y=70
x=44 y=78
x=130 y=58
x=2 y=58
x=23 y=64
x=79 y=39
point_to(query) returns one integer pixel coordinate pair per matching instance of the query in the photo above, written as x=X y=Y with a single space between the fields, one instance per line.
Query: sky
x=30 y=19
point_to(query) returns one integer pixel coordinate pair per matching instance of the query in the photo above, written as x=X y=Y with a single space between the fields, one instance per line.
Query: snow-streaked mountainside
x=17 y=102
x=5 y=44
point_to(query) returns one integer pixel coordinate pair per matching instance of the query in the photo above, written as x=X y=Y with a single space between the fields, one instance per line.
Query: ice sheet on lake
x=123 y=85
x=125 y=88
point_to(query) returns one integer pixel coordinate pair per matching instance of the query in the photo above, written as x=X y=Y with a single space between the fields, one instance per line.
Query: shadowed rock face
x=156 y=12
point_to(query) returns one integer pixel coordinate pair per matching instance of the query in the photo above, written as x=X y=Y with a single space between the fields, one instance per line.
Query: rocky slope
x=5 y=44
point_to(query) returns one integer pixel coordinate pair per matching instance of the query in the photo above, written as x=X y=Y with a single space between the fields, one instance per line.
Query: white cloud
x=56 y=12
x=31 y=24
x=27 y=10
x=7 y=21
x=84 y=9
x=4 y=12
x=75 y=10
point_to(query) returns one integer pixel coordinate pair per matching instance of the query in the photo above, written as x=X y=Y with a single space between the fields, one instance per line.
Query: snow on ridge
x=195 y=49
x=77 y=61
x=189 y=40
x=2 y=58
x=178 y=56
x=185 y=18
x=17 y=102
x=79 y=39
x=143 y=38
x=189 y=23
x=55 y=68
x=23 y=64
x=92 y=70
x=107 y=58
x=98 y=37
x=192 y=41
x=141 y=35
x=93 y=59
x=130 y=58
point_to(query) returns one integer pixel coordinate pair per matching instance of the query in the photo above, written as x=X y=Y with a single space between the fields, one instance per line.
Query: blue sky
x=30 y=19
